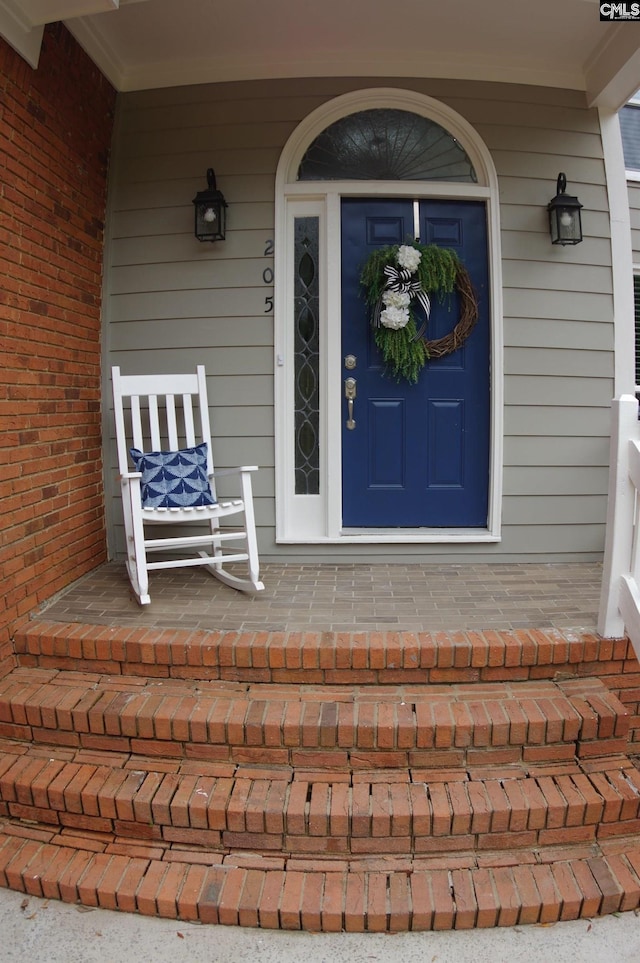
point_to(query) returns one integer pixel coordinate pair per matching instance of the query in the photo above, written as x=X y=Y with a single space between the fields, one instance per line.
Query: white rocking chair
x=164 y=430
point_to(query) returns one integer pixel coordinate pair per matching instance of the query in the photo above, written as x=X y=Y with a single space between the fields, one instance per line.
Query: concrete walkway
x=34 y=929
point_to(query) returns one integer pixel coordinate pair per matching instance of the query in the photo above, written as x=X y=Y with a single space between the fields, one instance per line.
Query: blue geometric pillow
x=173 y=479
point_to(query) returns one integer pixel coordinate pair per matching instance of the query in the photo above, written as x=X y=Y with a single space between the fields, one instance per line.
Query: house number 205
x=267 y=276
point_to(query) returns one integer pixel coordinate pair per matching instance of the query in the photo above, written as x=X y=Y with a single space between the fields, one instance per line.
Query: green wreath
x=398 y=281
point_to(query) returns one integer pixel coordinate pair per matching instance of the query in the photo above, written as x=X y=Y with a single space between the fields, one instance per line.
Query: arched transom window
x=386 y=144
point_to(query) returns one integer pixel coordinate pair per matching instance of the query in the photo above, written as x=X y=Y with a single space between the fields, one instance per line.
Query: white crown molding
x=22 y=21
x=102 y=54
x=23 y=36
x=39 y=12
x=187 y=71
x=613 y=71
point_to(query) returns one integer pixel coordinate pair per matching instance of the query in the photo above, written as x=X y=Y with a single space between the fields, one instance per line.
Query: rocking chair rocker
x=174 y=483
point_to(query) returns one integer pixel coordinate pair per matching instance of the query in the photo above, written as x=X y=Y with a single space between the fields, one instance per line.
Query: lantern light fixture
x=565 y=223
x=210 y=211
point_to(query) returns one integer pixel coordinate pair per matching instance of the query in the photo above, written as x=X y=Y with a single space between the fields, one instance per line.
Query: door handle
x=350 y=393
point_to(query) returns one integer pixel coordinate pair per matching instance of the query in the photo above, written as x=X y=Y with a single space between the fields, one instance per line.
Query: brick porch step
x=359 y=781
x=322 y=658
x=494 y=889
x=222 y=808
x=316 y=727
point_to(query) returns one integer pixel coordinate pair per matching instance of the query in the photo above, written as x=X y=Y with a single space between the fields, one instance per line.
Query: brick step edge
x=322 y=657
x=327 y=900
x=312 y=726
x=319 y=813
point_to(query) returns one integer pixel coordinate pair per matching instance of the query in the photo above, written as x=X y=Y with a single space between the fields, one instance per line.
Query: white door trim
x=311 y=519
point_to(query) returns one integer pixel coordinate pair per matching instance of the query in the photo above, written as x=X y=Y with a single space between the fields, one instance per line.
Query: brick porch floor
x=340 y=598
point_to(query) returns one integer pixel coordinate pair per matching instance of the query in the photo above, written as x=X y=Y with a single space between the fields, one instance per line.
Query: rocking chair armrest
x=130 y=475
x=218 y=473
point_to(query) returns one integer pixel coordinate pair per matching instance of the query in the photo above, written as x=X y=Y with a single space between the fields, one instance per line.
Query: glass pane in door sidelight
x=307 y=356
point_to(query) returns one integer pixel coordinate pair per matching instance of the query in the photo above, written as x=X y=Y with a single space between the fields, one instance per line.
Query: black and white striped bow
x=403 y=282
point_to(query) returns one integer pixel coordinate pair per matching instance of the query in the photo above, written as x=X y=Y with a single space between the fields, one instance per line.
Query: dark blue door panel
x=419 y=454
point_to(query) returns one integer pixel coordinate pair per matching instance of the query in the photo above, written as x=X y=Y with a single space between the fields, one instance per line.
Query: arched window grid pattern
x=386 y=144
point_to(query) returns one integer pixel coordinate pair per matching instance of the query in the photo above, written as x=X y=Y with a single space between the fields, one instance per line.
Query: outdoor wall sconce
x=564 y=215
x=210 y=209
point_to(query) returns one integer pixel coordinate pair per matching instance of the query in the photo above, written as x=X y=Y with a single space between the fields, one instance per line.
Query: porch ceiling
x=141 y=44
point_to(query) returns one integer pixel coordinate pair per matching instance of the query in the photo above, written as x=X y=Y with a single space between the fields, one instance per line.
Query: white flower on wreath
x=395 y=318
x=396 y=299
x=395 y=314
x=409 y=258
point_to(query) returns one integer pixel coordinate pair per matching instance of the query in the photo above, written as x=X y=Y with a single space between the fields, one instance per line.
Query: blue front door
x=418 y=455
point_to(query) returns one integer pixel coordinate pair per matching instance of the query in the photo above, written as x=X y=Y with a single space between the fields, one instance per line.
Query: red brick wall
x=55 y=133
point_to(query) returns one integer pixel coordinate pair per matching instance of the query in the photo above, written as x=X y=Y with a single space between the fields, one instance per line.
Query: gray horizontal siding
x=552 y=480
x=558 y=451
x=138 y=335
x=531 y=389
x=634 y=205
x=565 y=420
x=568 y=305
x=171 y=302
x=582 y=365
x=207 y=275
x=560 y=510
x=178 y=304
x=126 y=250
